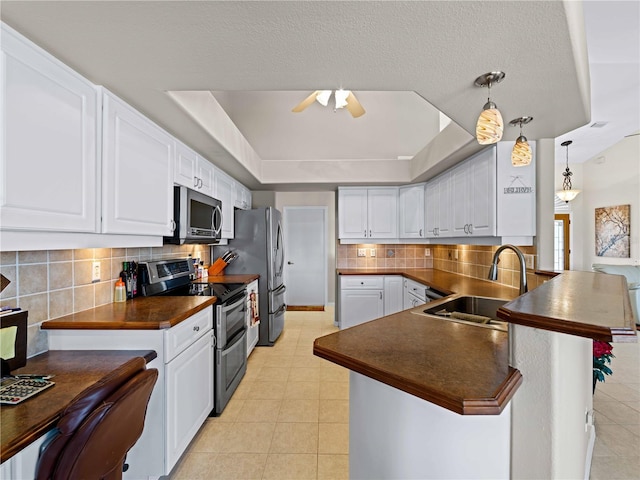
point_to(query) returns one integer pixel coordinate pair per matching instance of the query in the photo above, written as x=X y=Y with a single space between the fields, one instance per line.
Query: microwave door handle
x=217 y=213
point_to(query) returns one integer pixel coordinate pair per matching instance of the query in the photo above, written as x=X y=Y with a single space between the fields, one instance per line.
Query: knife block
x=218 y=267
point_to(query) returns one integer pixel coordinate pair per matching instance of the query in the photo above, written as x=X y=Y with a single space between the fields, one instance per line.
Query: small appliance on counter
x=172 y=278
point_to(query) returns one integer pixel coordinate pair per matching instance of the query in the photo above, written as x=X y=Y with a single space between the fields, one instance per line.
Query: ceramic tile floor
x=289 y=418
x=616 y=405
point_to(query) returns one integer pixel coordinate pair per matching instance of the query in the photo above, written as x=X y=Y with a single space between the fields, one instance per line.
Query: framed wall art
x=613 y=227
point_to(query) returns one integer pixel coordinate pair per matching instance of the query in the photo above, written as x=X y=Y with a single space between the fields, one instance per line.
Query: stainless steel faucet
x=493 y=271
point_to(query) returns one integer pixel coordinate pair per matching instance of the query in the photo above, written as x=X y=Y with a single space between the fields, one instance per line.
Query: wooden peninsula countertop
x=141 y=313
x=74 y=371
x=464 y=368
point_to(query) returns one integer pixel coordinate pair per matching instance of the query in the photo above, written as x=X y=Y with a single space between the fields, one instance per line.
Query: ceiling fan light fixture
x=490 y=125
x=341 y=98
x=323 y=97
x=521 y=155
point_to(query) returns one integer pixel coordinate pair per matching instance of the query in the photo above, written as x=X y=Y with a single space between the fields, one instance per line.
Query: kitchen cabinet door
x=49 y=158
x=359 y=306
x=411 y=211
x=393 y=294
x=137 y=172
x=382 y=216
x=224 y=191
x=206 y=176
x=438 y=207
x=473 y=195
x=243 y=197
x=185 y=167
x=189 y=398
x=352 y=213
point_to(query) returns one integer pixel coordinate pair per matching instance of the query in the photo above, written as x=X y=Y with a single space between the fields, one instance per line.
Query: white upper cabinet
x=193 y=171
x=49 y=137
x=438 y=207
x=137 y=172
x=225 y=192
x=243 y=197
x=368 y=213
x=412 y=211
x=473 y=196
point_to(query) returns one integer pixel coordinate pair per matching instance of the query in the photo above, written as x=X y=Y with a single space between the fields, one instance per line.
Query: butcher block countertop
x=141 y=313
x=74 y=372
x=464 y=368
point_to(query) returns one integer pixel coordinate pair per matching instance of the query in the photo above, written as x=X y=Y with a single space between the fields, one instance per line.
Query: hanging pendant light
x=521 y=155
x=567 y=193
x=490 y=125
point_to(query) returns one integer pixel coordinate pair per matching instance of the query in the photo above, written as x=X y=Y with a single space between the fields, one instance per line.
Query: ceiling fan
x=344 y=99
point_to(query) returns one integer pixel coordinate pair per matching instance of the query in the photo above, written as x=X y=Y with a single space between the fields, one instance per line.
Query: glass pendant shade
x=490 y=125
x=567 y=195
x=341 y=98
x=521 y=154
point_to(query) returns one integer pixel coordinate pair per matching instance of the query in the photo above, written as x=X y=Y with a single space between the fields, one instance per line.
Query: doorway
x=305 y=232
x=561 y=242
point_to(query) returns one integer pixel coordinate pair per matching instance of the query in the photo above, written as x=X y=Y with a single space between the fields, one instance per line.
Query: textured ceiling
x=141 y=50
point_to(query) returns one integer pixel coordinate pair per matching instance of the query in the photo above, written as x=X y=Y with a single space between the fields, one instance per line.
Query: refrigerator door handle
x=283 y=308
x=281 y=289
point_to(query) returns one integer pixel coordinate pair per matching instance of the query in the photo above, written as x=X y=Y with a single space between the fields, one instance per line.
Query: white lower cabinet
x=252 y=312
x=23 y=464
x=361 y=299
x=189 y=395
x=183 y=395
x=393 y=294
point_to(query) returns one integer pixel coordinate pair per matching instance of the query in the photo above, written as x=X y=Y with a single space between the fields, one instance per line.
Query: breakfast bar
x=433 y=398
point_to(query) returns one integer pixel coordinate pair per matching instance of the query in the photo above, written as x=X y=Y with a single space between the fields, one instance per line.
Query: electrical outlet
x=528 y=261
x=95 y=272
x=372 y=252
x=455 y=254
x=427 y=252
x=362 y=252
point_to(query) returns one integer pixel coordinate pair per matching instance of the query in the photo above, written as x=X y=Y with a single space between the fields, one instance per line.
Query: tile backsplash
x=468 y=260
x=53 y=283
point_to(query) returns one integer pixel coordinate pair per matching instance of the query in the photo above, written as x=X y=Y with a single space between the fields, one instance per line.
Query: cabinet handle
x=365 y=234
x=369 y=233
x=195 y=182
x=466 y=228
x=380 y=295
x=200 y=183
x=470 y=228
x=196 y=328
x=173 y=225
x=420 y=232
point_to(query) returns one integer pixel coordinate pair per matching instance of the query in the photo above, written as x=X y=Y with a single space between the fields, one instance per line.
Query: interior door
x=306 y=257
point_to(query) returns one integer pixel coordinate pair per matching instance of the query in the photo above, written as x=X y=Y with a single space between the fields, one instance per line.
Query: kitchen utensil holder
x=218 y=267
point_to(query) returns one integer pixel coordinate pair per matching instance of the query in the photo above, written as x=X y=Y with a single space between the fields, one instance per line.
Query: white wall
x=317 y=199
x=611 y=178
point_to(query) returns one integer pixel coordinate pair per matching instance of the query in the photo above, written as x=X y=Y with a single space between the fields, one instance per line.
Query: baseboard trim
x=305 y=308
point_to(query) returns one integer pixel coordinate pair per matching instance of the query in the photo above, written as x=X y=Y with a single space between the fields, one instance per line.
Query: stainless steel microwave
x=198 y=217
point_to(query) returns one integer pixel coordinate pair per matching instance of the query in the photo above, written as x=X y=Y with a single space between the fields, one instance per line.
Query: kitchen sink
x=480 y=311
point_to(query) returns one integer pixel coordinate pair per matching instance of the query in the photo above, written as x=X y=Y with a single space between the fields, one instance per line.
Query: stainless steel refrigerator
x=258 y=241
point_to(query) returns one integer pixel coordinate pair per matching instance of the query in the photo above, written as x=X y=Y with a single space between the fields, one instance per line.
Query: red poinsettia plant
x=602 y=355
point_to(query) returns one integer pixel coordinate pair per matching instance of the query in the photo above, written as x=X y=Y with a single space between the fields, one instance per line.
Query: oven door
x=230 y=318
x=231 y=365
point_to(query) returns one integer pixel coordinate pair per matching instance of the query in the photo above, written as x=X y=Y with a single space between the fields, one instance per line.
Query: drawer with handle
x=362 y=281
x=180 y=337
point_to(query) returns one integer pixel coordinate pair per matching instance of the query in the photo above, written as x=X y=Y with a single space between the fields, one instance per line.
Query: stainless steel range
x=172 y=277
